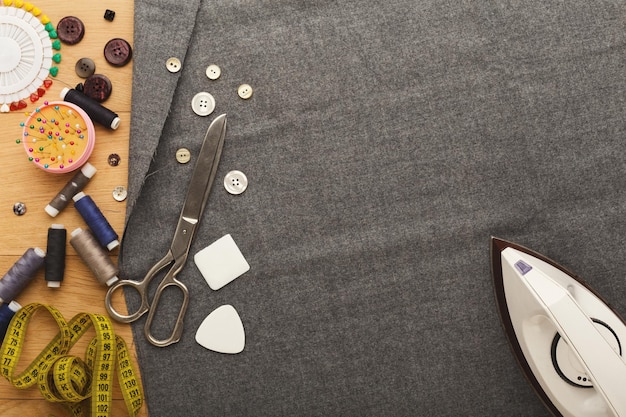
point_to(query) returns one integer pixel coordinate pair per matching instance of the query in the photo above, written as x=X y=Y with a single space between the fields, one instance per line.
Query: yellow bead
x=45 y=19
x=36 y=11
x=7 y=2
x=28 y=6
x=19 y=3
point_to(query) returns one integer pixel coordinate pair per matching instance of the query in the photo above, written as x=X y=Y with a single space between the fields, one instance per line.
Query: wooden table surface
x=23 y=182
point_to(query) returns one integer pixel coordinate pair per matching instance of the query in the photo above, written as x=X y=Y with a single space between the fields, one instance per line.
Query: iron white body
x=570 y=340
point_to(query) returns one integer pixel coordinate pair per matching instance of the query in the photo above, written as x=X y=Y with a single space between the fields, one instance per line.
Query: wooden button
x=98 y=87
x=118 y=52
x=70 y=30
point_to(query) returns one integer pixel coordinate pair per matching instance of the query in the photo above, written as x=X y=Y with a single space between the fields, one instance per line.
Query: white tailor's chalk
x=221 y=262
x=222 y=331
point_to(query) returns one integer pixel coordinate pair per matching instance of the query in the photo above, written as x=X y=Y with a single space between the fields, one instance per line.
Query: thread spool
x=96 y=221
x=94 y=256
x=21 y=274
x=74 y=186
x=7 y=311
x=95 y=110
x=58 y=137
x=55 y=257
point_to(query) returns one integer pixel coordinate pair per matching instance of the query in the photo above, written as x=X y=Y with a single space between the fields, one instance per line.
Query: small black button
x=109 y=15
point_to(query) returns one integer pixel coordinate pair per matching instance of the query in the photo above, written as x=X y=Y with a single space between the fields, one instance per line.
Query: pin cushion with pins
x=58 y=137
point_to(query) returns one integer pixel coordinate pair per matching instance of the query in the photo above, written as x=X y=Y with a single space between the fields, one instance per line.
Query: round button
x=203 y=104
x=118 y=52
x=183 y=155
x=213 y=72
x=85 y=67
x=235 y=182
x=70 y=30
x=120 y=193
x=114 y=159
x=98 y=87
x=19 y=208
x=244 y=91
x=173 y=65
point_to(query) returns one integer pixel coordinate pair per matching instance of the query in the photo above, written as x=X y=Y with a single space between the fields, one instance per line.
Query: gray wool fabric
x=385 y=142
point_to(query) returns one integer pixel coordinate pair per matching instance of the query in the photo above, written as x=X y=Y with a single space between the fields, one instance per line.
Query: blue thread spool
x=96 y=221
x=7 y=311
x=21 y=274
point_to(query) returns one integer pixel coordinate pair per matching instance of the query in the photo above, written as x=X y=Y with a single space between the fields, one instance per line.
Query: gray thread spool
x=90 y=251
x=21 y=274
x=75 y=185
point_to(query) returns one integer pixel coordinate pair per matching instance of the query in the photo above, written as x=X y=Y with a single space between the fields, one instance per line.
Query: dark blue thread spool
x=55 y=257
x=96 y=221
x=7 y=311
x=21 y=274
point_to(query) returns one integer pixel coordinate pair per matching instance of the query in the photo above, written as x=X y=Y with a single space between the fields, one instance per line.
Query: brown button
x=85 y=67
x=114 y=159
x=118 y=52
x=70 y=30
x=98 y=87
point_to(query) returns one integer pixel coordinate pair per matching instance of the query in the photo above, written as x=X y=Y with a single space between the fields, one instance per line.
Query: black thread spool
x=55 y=257
x=21 y=274
x=96 y=111
x=74 y=186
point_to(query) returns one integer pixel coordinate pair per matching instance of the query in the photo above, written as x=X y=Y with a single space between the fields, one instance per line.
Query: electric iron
x=567 y=339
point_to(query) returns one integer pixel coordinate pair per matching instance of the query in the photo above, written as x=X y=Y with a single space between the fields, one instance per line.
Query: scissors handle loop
x=141 y=287
x=177 y=331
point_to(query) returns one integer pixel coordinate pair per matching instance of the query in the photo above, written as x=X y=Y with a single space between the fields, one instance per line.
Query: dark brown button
x=98 y=87
x=118 y=52
x=70 y=30
x=114 y=159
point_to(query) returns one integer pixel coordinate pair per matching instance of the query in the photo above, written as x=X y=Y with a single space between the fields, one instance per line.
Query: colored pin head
x=58 y=137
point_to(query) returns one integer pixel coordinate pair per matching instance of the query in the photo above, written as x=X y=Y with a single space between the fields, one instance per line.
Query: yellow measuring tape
x=84 y=386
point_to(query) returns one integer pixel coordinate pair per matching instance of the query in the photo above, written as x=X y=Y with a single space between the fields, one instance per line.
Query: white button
x=183 y=155
x=120 y=193
x=173 y=65
x=244 y=91
x=213 y=72
x=203 y=104
x=235 y=182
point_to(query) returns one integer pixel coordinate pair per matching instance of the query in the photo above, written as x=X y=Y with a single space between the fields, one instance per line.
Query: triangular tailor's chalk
x=222 y=331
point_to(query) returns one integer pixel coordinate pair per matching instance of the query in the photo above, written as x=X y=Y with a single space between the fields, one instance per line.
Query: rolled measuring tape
x=69 y=380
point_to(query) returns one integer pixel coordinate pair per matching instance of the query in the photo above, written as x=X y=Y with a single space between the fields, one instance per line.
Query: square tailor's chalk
x=221 y=262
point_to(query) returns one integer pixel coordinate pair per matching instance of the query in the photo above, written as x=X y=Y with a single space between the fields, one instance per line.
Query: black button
x=98 y=87
x=70 y=30
x=118 y=52
x=109 y=15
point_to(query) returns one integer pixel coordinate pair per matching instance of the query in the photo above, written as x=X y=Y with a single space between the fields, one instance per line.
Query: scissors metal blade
x=199 y=186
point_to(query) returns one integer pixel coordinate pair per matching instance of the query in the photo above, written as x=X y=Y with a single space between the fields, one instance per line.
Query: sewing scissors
x=197 y=194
